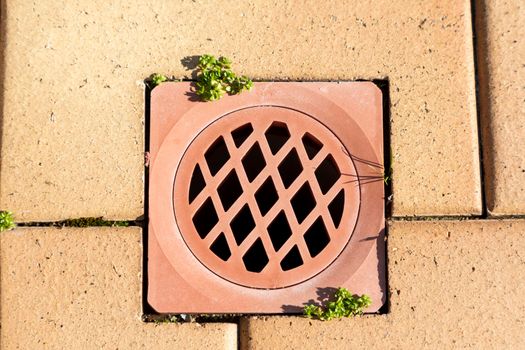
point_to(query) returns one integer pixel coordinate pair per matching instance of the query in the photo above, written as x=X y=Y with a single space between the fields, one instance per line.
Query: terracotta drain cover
x=260 y=201
x=257 y=211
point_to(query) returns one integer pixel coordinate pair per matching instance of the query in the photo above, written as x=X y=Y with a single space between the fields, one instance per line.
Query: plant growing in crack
x=216 y=79
x=168 y=319
x=387 y=173
x=156 y=79
x=345 y=304
x=7 y=222
x=90 y=221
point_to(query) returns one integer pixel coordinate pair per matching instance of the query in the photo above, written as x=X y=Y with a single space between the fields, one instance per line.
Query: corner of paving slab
x=73 y=114
x=452 y=284
x=500 y=52
x=81 y=288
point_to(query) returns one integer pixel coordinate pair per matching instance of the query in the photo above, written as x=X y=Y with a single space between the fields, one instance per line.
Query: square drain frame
x=283 y=253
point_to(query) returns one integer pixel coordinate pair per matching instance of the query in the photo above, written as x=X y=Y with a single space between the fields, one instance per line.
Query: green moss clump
x=7 y=222
x=91 y=221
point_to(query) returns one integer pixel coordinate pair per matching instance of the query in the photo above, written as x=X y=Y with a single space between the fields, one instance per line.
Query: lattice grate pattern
x=267 y=197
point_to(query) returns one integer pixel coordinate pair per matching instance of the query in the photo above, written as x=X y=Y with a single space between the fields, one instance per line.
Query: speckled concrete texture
x=73 y=133
x=81 y=289
x=452 y=284
x=501 y=61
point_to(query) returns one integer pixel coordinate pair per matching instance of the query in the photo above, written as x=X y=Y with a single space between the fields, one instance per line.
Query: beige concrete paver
x=501 y=52
x=452 y=285
x=72 y=135
x=81 y=289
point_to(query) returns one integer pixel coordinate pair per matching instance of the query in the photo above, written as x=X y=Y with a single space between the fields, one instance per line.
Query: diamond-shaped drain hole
x=229 y=190
x=242 y=224
x=279 y=231
x=327 y=174
x=197 y=183
x=312 y=146
x=205 y=218
x=336 y=207
x=217 y=155
x=255 y=259
x=316 y=237
x=241 y=134
x=220 y=247
x=253 y=162
x=290 y=168
x=292 y=259
x=303 y=202
x=277 y=135
x=266 y=196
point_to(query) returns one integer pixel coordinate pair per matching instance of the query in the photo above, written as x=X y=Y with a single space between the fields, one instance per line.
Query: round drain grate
x=260 y=199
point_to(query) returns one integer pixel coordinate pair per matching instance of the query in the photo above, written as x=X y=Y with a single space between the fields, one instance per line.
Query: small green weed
x=7 y=222
x=168 y=319
x=156 y=79
x=387 y=174
x=216 y=79
x=345 y=305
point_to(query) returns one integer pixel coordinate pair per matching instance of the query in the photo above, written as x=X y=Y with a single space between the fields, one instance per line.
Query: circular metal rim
x=270 y=277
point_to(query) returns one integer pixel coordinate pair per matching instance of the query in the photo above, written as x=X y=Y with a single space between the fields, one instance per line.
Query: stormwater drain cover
x=258 y=201
x=264 y=205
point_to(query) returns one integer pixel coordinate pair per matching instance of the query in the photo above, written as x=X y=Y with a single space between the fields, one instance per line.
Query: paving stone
x=73 y=107
x=501 y=52
x=81 y=289
x=452 y=285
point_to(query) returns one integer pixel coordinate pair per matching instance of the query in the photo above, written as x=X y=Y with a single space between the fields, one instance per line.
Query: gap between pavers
x=452 y=285
x=77 y=288
x=500 y=56
x=73 y=113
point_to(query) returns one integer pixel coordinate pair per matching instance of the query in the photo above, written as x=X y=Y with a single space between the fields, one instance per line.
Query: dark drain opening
x=253 y=162
x=303 y=202
x=217 y=155
x=316 y=237
x=205 y=218
x=279 y=231
x=292 y=259
x=242 y=224
x=336 y=208
x=327 y=173
x=312 y=146
x=266 y=196
x=255 y=258
x=197 y=183
x=277 y=135
x=241 y=134
x=220 y=248
x=229 y=190
x=290 y=168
